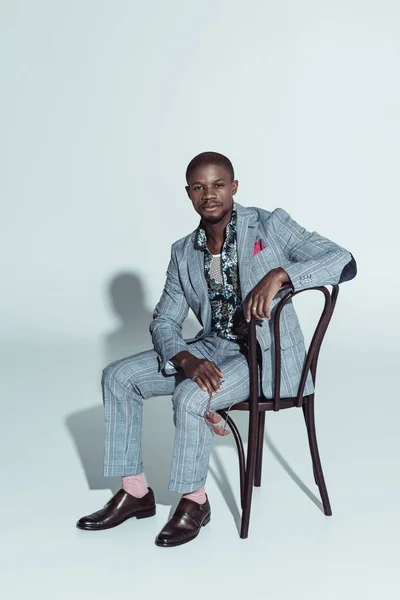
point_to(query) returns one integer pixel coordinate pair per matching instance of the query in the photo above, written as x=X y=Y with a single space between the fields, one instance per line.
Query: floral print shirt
x=227 y=318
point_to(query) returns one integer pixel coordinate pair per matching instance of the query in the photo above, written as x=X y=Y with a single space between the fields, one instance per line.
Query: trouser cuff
x=186 y=488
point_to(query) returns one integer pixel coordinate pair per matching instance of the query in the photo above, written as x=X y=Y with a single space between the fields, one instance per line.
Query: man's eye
x=220 y=185
x=197 y=187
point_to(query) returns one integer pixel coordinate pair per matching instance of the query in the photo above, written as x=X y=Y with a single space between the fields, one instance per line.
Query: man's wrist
x=283 y=277
x=181 y=359
x=280 y=274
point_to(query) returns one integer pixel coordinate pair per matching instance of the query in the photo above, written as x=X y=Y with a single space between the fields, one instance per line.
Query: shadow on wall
x=132 y=335
x=126 y=298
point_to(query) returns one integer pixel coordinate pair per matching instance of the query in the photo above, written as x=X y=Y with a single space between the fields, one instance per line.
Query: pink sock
x=199 y=496
x=135 y=485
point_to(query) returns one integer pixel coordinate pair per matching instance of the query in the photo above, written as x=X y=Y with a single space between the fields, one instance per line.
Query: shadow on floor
x=285 y=465
x=86 y=427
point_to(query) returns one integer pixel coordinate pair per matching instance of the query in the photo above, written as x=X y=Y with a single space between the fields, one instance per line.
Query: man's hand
x=259 y=300
x=204 y=372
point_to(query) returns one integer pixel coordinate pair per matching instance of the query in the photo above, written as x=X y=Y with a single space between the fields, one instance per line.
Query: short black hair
x=209 y=158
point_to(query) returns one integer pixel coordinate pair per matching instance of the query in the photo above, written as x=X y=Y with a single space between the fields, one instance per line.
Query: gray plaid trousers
x=128 y=382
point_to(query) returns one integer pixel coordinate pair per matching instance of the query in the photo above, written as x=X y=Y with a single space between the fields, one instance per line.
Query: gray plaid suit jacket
x=308 y=258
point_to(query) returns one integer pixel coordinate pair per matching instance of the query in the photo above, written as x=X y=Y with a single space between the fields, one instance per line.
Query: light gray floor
x=51 y=438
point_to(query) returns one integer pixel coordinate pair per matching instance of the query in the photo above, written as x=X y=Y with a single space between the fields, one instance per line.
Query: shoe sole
x=173 y=544
x=143 y=514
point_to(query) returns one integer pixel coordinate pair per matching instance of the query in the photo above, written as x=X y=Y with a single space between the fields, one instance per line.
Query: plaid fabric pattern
x=309 y=259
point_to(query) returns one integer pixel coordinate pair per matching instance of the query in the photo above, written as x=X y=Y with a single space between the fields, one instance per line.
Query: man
x=230 y=268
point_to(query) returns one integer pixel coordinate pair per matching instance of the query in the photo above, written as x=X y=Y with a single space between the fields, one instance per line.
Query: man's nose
x=208 y=193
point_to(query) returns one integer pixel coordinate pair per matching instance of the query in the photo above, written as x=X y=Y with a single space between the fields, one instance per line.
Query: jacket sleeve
x=313 y=259
x=349 y=271
x=168 y=317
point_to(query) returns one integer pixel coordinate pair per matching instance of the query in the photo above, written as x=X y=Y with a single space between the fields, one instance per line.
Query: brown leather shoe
x=121 y=507
x=185 y=523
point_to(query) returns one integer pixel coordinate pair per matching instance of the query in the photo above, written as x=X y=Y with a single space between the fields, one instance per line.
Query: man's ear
x=235 y=186
x=187 y=190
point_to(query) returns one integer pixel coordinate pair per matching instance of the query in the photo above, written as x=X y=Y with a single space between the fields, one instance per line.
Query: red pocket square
x=258 y=246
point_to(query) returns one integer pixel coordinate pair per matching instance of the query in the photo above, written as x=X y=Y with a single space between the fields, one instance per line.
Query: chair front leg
x=250 y=472
x=239 y=444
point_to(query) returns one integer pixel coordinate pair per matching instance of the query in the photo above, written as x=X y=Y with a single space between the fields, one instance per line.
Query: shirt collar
x=201 y=236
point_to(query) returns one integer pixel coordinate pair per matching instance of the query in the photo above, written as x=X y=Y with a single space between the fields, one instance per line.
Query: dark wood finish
x=242 y=460
x=250 y=462
x=260 y=447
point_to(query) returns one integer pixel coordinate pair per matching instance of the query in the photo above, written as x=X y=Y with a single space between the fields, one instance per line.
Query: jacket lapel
x=195 y=262
x=247 y=228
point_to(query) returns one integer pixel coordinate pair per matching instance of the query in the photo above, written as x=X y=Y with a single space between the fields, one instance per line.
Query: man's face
x=211 y=191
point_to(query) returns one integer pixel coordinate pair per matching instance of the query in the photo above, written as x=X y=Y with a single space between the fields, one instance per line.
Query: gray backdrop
x=102 y=106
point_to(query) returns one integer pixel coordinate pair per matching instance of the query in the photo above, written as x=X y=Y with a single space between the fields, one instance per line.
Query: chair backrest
x=311 y=360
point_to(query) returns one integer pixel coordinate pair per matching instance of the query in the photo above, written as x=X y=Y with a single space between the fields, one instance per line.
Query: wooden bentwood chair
x=251 y=465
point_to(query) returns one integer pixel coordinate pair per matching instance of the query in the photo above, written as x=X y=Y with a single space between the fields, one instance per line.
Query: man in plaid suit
x=231 y=267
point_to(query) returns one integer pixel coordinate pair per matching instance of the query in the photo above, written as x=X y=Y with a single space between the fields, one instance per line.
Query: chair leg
x=249 y=475
x=239 y=444
x=305 y=413
x=312 y=439
x=260 y=448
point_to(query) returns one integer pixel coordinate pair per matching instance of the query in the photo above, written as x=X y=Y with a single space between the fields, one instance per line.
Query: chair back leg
x=308 y=410
x=305 y=413
x=260 y=448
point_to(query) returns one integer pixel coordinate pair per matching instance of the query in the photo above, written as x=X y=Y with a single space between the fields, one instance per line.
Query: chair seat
x=268 y=404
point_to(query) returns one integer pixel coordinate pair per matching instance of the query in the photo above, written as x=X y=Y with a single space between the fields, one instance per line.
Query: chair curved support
x=311 y=360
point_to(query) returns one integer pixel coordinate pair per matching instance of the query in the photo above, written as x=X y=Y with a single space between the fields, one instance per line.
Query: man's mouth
x=210 y=207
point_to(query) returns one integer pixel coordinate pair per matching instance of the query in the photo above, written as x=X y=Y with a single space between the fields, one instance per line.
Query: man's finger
x=219 y=373
x=210 y=387
x=201 y=383
x=252 y=308
x=256 y=309
x=207 y=382
x=214 y=380
x=267 y=307
x=264 y=308
x=248 y=308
